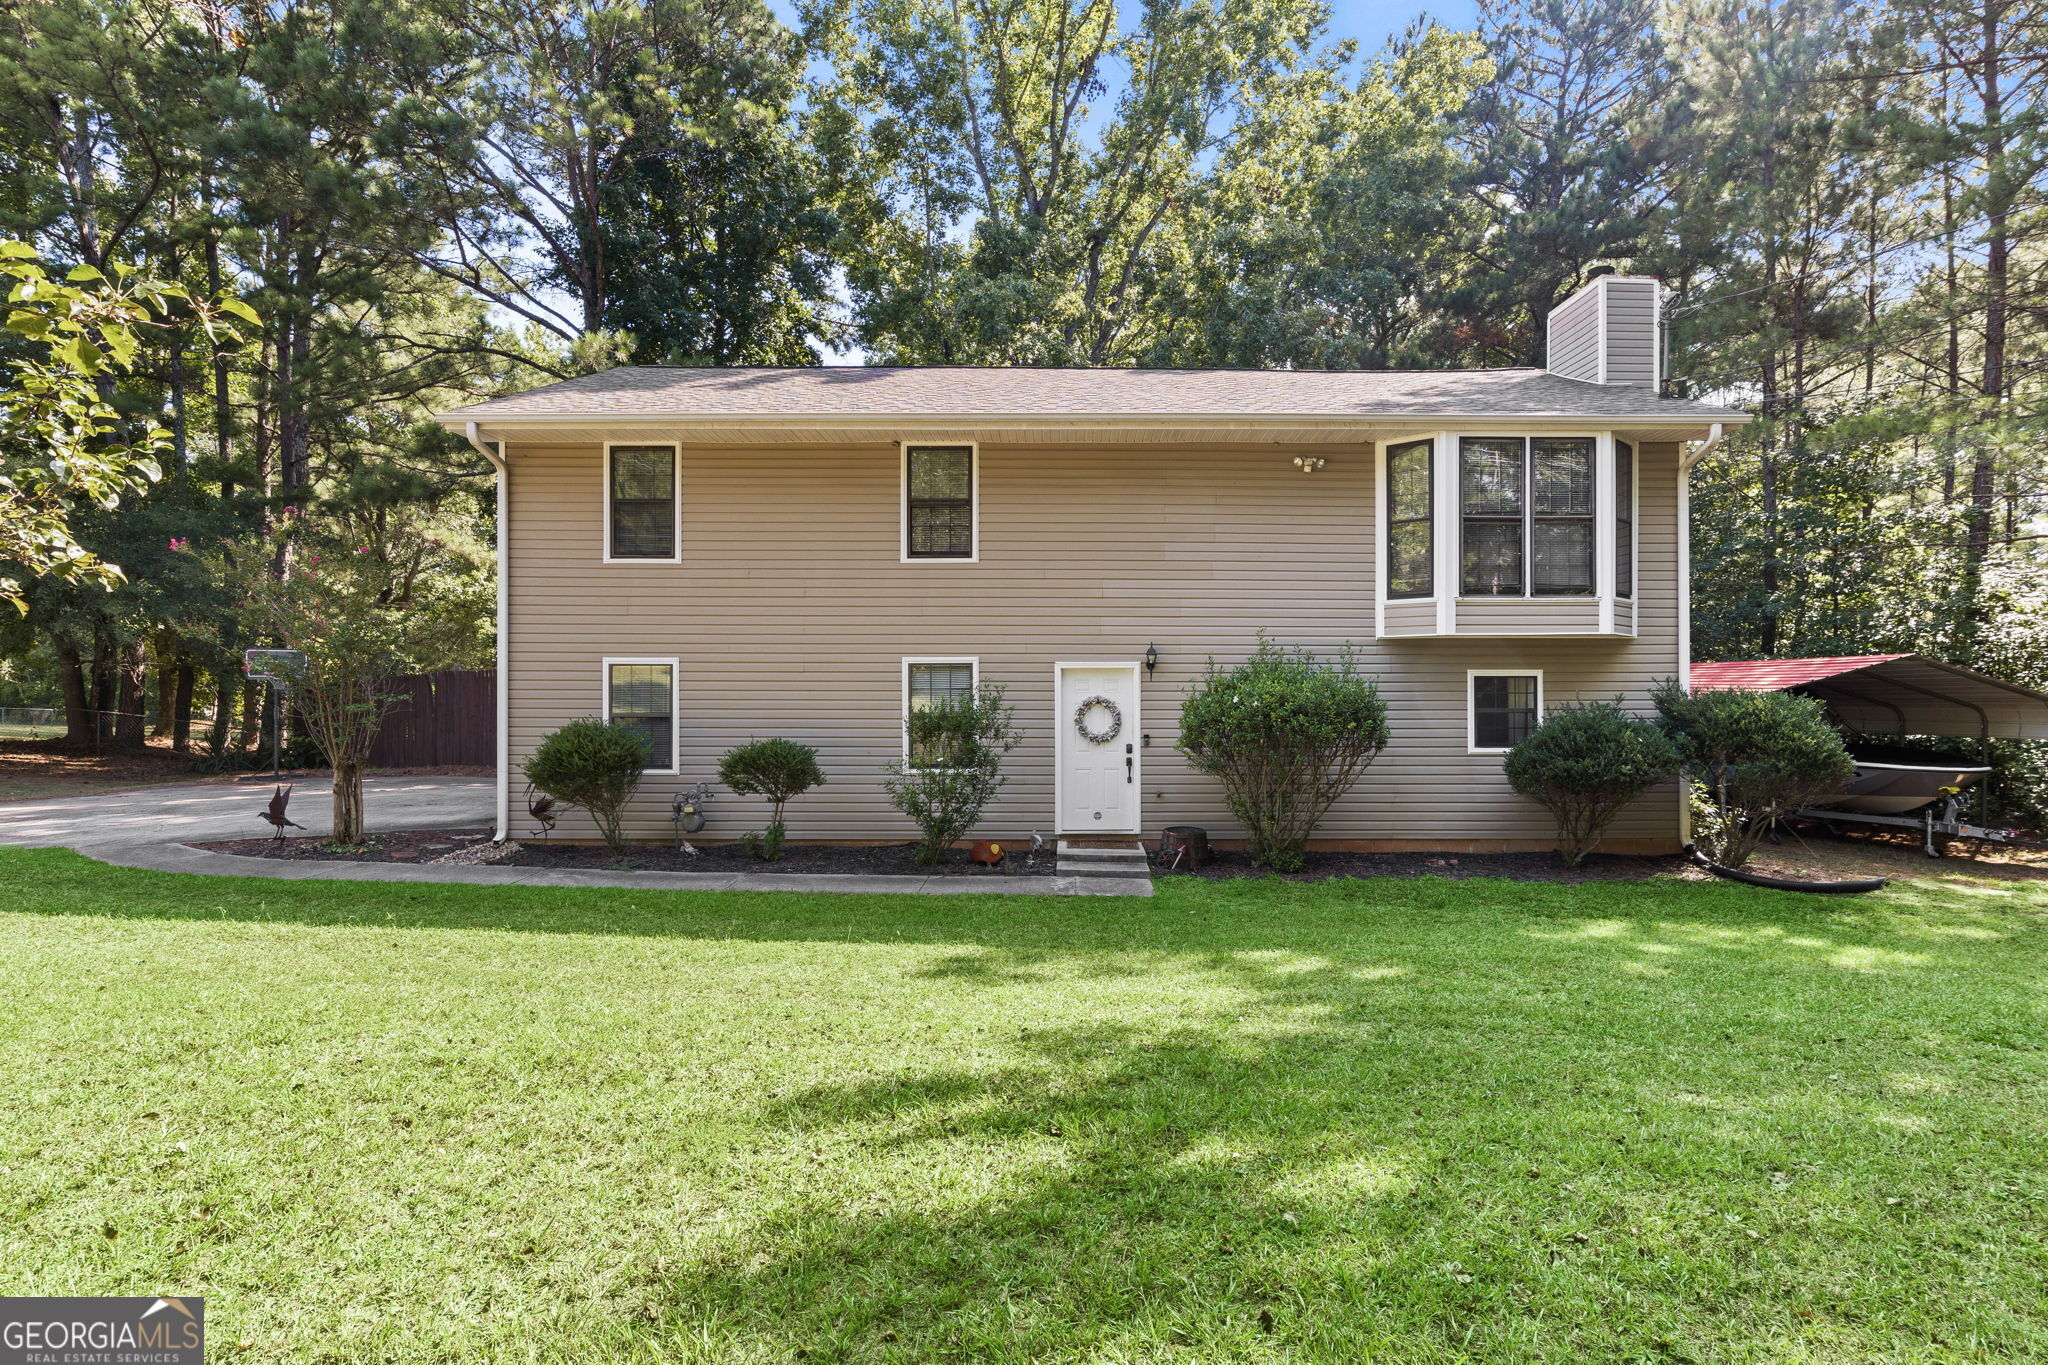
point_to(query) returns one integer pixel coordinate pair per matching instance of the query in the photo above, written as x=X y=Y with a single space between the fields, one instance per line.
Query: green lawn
x=1398 y=1121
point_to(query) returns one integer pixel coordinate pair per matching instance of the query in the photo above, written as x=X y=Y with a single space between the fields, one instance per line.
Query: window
x=938 y=502
x=642 y=693
x=641 y=506
x=1527 y=516
x=1624 y=519
x=930 y=681
x=1411 y=544
x=1504 y=709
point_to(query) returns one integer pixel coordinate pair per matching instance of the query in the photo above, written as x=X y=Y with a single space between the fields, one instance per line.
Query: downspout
x=1686 y=463
x=504 y=536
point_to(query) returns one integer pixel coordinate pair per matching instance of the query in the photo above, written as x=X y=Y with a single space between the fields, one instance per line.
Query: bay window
x=1526 y=514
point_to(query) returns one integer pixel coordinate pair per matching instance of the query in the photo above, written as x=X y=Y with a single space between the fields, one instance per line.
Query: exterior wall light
x=1309 y=464
x=1151 y=659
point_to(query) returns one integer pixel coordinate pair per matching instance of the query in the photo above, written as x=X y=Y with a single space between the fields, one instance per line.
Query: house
x=723 y=554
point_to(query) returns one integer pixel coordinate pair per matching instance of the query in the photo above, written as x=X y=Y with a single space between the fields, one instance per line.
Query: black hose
x=1848 y=888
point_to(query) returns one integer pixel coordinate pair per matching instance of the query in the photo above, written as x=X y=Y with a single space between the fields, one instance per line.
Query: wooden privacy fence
x=444 y=719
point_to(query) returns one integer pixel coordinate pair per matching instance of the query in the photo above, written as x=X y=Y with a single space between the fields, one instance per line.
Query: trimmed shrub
x=1758 y=756
x=594 y=765
x=779 y=769
x=959 y=743
x=1584 y=763
x=1286 y=734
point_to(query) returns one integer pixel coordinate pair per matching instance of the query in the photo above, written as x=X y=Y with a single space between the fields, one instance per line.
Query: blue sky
x=1369 y=23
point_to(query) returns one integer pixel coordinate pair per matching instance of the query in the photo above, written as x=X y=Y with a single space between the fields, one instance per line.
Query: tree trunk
x=77 y=702
x=252 y=714
x=348 y=802
x=130 y=696
x=166 y=690
x=181 y=710
x=103 y=695
x=224 y=696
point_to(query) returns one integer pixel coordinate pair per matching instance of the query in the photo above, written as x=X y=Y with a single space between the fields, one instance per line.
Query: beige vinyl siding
x=1573 y=346
x=1528 y=616
x=791 y=615
x=1411 y=616
x=1632 y=333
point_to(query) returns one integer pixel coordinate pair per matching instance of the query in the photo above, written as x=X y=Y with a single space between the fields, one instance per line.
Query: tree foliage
x=1585 y=763
x=62 y=440
x=1758 y=755
x=1287 y=734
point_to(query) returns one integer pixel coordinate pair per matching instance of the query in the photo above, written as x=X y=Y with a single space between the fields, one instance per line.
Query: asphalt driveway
x=234 y=810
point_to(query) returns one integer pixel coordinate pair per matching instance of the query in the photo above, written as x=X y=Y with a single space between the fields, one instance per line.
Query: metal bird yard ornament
x=274 y=813
x=541 y=807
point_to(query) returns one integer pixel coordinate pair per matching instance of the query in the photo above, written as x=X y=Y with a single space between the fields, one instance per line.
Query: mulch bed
x=412 y=846
x=426 y=846
x=1228 y=865
x=899 y=860
x=843 y=860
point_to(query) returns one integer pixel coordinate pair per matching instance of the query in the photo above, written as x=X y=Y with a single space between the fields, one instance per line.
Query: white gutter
x=1686 y=463
x=504 y=536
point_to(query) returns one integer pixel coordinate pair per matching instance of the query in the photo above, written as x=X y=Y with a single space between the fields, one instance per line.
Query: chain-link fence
x=31 y=722
x=47 y=722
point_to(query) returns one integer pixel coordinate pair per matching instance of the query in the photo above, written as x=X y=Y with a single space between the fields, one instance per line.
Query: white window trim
x=903 y=711
x=1635 y=520
x=676 y=493
x=675 y=701
x=1472 y=703
x=903 y=555
x=1603 y=477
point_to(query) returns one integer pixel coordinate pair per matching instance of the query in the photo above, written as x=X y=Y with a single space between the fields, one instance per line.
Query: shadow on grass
x=1412 y=1119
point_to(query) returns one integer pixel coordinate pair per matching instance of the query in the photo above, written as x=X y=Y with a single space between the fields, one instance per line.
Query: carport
x=1893 y=694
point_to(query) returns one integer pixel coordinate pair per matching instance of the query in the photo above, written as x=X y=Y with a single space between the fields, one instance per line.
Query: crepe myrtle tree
x=1584 y=763
x=778 y=769
x=955 y=765
x=352 y=636
x=1754 y=756
x=1286 y=733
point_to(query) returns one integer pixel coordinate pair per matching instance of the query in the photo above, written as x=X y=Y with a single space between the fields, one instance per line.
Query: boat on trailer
x=1898 y=782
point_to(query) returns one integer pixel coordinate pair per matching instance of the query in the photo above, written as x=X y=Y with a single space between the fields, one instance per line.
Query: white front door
x=1098 y=778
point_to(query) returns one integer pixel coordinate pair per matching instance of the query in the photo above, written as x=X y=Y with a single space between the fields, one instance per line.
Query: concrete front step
x=1096 y=860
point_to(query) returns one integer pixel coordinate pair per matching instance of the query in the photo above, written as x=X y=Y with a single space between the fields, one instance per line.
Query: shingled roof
x=888 y=391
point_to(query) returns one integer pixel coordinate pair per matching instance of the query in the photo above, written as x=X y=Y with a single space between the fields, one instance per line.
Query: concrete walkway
x=155 y=827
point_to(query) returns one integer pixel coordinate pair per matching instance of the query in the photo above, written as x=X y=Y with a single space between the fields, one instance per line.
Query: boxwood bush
x=595 y=765
x=1584 y=763
x=1286 y=734
x=778 y=769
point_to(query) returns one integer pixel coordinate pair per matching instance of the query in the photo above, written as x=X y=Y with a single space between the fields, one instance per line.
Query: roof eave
x=460 y=418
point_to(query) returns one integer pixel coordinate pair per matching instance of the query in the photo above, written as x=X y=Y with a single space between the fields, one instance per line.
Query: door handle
x=1127 y=765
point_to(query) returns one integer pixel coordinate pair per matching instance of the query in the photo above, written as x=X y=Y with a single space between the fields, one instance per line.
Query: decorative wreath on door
x=1116 y=720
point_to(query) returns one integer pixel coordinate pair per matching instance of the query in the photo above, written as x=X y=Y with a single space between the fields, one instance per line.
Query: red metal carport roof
x=1893 y=694
x=1769 y=675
